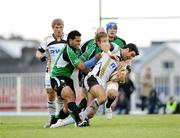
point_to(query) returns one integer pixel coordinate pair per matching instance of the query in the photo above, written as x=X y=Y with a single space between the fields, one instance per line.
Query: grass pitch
x=122 y=126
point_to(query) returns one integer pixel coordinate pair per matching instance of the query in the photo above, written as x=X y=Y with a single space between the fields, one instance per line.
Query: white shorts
x=47 y=81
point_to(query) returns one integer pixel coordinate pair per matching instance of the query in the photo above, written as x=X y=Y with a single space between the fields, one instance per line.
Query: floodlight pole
x=99 y=12
x=103 y=18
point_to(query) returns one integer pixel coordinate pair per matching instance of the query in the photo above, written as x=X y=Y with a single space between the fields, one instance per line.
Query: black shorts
x=81 y=77
x=59 y=82
x=91 y=81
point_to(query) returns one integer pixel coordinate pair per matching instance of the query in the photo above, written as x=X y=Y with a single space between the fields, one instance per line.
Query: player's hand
x=105 y=46
x=98 y=56
x=114 y=57
x=122 y=76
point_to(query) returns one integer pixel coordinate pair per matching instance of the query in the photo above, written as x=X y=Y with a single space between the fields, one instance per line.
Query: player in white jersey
x=47 y=52
x=97 y=79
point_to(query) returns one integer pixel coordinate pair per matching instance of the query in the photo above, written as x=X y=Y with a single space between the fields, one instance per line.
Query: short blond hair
x=99 y=36
x=57 y=21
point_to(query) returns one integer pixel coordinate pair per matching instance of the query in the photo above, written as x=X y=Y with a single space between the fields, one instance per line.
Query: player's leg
x=112 y=93
x=59 y=104
x=69 y=107
x=63 y=113
x=86 y=116
x=93 y=84
x=81 y=105
x=83 y=92
x=68 y=94
x=70 y=120
x=83 y=102
x=65 y=88
x=51 y=106
x=99 y=97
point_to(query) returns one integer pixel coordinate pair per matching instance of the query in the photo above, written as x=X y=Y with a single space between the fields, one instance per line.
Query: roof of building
x=14 y=47
x=149 y=53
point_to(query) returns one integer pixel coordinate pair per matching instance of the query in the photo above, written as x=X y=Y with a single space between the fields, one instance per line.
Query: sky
x=32 y=18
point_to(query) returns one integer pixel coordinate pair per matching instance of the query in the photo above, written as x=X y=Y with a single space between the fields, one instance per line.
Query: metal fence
x=168 y=85
x=25 y=91
x=22 y=91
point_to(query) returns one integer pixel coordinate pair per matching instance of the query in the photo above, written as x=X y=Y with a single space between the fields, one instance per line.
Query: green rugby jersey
x=89 y=44
x=68 y=59
x=120 y=42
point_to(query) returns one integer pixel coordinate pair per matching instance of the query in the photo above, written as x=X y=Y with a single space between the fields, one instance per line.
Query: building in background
x=163 y=59
x=17 y=56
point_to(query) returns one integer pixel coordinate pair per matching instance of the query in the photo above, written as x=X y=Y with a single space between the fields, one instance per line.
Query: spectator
x=153 y=102
x=128 y=88
x=122 y=105
x=171 y=106
x=146 y=87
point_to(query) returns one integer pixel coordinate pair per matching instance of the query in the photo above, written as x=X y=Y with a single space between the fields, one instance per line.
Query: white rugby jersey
x=104 y=68
x=114 y=48
x=52 y=47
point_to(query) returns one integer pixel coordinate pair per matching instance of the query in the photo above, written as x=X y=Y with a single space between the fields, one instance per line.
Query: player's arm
x=40 y=56
x=86 y=66
x=106 y=48
x=88 y=54
x=77 y=62
x=40 y=52
x=81 y=66
x=119 y=75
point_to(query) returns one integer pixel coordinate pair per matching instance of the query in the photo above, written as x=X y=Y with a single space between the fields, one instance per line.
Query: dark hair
x=132 y=47
x=72 y=35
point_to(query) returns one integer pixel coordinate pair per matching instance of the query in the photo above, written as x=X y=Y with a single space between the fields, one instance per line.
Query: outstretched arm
x=40 y=56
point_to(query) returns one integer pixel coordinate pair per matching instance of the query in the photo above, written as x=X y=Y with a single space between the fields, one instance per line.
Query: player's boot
x=108 y=113
x=82 y=124
x=59 y=123
x=88 y=122
x=52 y=120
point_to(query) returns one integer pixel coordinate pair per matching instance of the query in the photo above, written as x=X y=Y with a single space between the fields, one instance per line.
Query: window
x=168 y=65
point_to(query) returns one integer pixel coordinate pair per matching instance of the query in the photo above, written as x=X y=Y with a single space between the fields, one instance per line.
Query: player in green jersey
x=68 y=59
x=111 y=29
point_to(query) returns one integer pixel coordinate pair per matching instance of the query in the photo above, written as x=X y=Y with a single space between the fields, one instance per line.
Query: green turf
x=124 y=126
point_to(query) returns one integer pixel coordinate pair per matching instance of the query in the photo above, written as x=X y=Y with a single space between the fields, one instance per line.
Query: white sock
x=93 y=105
x=51 y=107
x=59 y=105
x=67 y=121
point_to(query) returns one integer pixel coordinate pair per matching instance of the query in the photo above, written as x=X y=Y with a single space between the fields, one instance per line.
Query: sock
x=61 y=114
x=93 y=105
x=51 y=108
x=109 y=102
x=73 y=110
x=59 y=105
x=67 y=121
x=82 y=104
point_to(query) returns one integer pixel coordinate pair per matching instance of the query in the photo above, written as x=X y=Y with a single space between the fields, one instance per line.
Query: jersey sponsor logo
x=54 y=51
x=113 y=65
